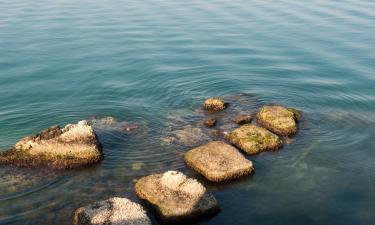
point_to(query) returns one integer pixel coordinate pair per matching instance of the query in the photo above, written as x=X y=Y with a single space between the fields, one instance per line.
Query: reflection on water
x=151 y=64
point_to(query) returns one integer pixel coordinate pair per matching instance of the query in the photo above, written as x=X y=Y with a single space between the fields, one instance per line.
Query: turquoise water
x=153 y=62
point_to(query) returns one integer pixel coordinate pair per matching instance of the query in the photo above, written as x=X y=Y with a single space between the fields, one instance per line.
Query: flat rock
x=218 y=161
x=74 y=146
x=113 y=211
x=176 y=197
x=243 y=119
x=278 y=119
x=253 y=139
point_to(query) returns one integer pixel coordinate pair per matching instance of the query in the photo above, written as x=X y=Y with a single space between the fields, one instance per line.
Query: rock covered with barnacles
x=218 y=161
x=113 y=211
x=175 y=196
x=75 y=145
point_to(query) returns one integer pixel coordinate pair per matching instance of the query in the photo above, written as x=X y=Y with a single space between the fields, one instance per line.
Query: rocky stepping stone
x=74 y=146
x=113 y=211
x=176 y=197
x=218 y=161
x=278 y=119
x=253 y=139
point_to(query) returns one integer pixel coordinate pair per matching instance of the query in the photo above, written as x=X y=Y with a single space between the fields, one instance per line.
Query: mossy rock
x=214 y=104
x=278 y=119
x=176 y=197
x=218 y=161
x=71 y=147
x=113 y=211
x=253 y=139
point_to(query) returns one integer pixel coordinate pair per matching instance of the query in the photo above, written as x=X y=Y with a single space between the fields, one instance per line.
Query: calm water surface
x=153 y=62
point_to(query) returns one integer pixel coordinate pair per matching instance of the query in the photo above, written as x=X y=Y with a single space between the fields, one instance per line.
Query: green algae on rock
x=176 y=197
x=253 y=139
x=113 y=211
x=214 y=104
x=218 y=161
x=278 y=119
x=74 y=146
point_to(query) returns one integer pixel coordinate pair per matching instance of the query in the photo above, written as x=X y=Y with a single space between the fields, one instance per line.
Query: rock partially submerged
x=253 y=139
x=243 y=119
x=209 y=122
x=175 y=196
x=191 y=136
x=74 y=146
x=218 y=161
x=278 y=119
x=113 y=211
x=214 y=104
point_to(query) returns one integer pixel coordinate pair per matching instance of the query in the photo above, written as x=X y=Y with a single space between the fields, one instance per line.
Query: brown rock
x=214 y=104
x=175 y=196
x=71 y=147
x=253 y=139
x=114 y=211
x=218 y=161
x=209 y=122
x=243 y=119
x=278 y=119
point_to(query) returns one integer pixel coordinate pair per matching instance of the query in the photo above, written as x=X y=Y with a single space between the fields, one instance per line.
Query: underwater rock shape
x=191 y=136
x=209 y=122
x=214 y=104
x=116 y=211
x=218 y=161
x=176 y=197
x=243 y=119
x=253 y=139
x=74 y=146
x=278 y=119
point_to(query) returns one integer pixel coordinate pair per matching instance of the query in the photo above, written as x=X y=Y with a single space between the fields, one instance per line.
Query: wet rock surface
x=278 y=119
x=113 y=211
x=75 y=145
x=176 y=197
x=218 y=161
x=214 y=104
x=253 y=139
x=243 y=119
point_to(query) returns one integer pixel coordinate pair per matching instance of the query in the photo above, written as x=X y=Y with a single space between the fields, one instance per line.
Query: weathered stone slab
x=278 y=119
x=74 y=146
x=113 y=211
x=253 y=139
x=175 y=196
x=218 y=161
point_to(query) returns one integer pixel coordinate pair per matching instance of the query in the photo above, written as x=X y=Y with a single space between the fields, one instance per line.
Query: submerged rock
x=113 y=211
x=243 y=119
x=74 y=146
x=175 y=196
x=253 y=139
x=218 y=161
x=209 y=122
x=278 y=119
x=191 y=136
x=110 y=123
x=214 y=104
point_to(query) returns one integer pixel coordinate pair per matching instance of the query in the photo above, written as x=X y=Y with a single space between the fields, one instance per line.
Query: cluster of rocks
x=174 y=196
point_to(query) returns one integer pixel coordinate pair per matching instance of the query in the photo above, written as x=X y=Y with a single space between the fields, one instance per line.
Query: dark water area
x=154 y=62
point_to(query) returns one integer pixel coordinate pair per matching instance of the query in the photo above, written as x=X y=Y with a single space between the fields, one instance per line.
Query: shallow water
x=154 y=62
